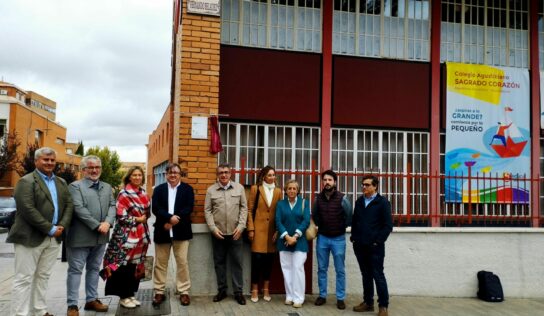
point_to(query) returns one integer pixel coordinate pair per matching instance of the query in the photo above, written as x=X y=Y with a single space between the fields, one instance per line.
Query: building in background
x=31 y=117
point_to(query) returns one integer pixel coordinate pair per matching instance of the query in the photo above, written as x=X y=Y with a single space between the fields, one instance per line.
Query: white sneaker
x=288 y=302
x=135 y=301
x=297 y=305
x=127 y=303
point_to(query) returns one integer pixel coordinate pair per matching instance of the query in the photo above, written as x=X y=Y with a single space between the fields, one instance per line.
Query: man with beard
x=331 y=214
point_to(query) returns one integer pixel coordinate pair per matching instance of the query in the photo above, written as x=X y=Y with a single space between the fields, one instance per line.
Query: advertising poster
x=487 y=134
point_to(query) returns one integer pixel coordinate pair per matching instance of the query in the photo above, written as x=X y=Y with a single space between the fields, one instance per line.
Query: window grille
x=278 y=24
x=159 y=172
x=485 y=32
x=286 y=148
x=397 y=29
x=402 y=157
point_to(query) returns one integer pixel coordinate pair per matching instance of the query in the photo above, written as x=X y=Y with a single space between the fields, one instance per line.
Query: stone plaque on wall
x=206 y=7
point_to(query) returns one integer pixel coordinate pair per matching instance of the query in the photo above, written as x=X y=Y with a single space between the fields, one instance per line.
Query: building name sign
x=206 y=7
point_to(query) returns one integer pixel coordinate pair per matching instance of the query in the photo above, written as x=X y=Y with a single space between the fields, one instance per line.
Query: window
x=286 y=148
x=159 y=172
x=38 y=137
x=388 y=29
x=406 y=154
x=3 y=92
x=69 y=151
x=3 y=128
x=485 y=32
x=59 y=141
x=279 y=24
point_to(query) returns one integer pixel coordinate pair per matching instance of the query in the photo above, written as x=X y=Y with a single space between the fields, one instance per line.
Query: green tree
x=8 y=153
x=27 y=165
x=67 y=174
x=80 y=148
x=110 y=165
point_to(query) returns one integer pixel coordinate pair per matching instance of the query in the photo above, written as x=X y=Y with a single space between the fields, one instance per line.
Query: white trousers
x=292 y=265
x=33 y=266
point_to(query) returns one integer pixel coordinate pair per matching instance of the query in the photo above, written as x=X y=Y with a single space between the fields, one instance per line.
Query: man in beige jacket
x=226 y=213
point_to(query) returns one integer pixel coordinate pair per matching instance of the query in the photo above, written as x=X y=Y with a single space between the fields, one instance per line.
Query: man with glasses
x=332 y=215
x=226 y=213
x=172 y=204
x=371 y=226
x=88 y=234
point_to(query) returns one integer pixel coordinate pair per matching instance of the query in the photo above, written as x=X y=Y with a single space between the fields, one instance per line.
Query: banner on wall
x=487 y=134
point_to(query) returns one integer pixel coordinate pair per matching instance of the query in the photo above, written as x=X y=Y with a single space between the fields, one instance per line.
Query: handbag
x=311 y=231
x=245 y=234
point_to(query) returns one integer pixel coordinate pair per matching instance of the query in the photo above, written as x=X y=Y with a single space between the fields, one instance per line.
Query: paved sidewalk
x=203 y=305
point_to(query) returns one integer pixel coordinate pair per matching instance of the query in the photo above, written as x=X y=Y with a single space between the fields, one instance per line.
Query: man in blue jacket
x=371 y=225
x=172 y=204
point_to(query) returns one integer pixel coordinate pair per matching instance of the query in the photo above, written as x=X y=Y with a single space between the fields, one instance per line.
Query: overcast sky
x=105 y=62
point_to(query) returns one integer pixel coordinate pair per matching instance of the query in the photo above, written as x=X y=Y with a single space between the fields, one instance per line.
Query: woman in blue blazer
x=292 y=220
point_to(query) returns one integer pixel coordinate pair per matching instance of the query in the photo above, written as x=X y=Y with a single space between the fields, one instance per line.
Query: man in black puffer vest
x=332 y=214
x=372 y=224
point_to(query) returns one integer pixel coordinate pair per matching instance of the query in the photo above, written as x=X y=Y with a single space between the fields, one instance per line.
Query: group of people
x=274 y=221
x=279 y=224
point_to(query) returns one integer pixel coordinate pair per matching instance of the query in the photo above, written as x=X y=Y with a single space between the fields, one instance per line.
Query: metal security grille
x=401 y=158
x=397 y=29
x=278 y=24
x=491 y=32
x=292 y=150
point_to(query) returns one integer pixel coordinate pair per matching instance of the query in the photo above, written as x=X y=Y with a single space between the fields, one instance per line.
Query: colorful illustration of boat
x=510 y=137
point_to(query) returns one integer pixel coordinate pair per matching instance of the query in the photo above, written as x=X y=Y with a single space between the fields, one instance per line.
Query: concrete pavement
x=203 y=305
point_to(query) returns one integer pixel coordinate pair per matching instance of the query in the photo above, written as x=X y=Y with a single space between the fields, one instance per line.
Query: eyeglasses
x=93 y=168
x=366 y=184
x=222 y=172
x=173 y=173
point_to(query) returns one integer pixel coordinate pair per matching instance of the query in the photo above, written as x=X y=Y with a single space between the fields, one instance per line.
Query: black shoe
x=320 y=301
x=220 y=296
x=239 y=297
x=340 y=304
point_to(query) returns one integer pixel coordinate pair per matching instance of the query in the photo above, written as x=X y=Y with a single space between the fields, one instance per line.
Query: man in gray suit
x=44 y=208
x=94 y=214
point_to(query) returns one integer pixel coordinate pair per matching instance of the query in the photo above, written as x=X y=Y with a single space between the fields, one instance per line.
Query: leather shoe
x=239 y=297
x=320 y=301
x=220 y=296
x=158 y=299
x=340 y=304
x=383 y=311
x=73 y=310
x=185 y=299
x=363 y=307
x=96 y=306
x=47 y=314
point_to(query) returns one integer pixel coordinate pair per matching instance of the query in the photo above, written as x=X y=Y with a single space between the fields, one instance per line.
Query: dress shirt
x=368 y=200
x=50 y=183
x=171 y=202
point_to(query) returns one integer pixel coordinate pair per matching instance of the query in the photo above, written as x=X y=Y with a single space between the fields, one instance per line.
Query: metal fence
x=479 y=200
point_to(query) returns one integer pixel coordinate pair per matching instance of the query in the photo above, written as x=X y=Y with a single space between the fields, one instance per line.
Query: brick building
x=31 y=117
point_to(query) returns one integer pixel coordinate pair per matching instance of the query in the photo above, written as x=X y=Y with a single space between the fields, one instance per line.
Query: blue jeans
x=89 y=258
x=324 y=246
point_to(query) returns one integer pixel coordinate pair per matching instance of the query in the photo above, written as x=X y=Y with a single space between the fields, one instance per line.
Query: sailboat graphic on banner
x=512 y=142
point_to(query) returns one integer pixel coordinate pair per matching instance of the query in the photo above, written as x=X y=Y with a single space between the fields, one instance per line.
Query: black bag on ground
x=489 y=287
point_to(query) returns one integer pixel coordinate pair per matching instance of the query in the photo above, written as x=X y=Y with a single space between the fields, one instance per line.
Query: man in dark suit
x=371 y=226
x=88 y=235
x=44 y=208
x=172 y=204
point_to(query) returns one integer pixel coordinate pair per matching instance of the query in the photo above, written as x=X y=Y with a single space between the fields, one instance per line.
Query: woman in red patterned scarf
x=124 y=259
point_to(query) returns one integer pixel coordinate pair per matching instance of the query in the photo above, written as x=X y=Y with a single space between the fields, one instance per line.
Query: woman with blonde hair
x=124 y=258
x=262 y=230
x=292 y=220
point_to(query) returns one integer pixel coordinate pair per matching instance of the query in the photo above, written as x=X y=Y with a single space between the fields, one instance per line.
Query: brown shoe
x=47 y=314
x=72 y=311
x=383 y=311
x=158 y=299
x=185 y=299
x=96 y=306
x=363 y=307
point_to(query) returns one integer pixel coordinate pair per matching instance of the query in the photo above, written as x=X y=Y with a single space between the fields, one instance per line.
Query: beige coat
x=265 y=220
